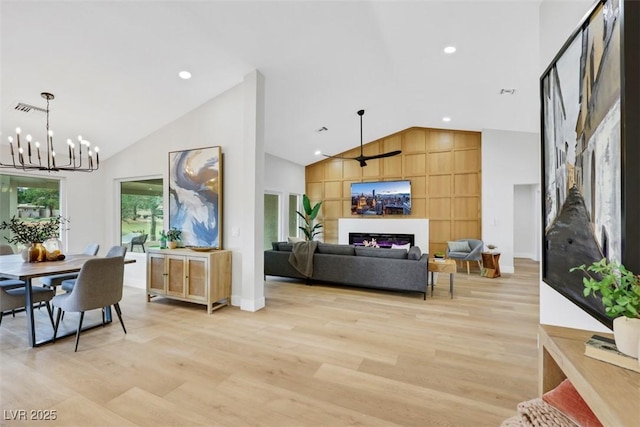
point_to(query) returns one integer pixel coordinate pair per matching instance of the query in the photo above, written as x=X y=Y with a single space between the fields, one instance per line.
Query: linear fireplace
x=384 y=240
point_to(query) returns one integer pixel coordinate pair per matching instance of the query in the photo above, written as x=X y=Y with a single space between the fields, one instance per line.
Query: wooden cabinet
x=186 y=275
x=611 y=392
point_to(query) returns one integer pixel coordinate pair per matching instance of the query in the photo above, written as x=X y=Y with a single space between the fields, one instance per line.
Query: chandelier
x=31 y=158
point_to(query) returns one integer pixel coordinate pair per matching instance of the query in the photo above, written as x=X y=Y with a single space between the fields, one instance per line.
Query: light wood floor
x=315 y=356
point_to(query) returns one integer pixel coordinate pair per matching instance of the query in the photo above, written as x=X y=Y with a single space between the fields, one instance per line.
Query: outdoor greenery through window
x=31 y=199
x=141 y=215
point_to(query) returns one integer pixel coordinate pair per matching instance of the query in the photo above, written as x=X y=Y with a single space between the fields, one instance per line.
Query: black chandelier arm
x=74 y=163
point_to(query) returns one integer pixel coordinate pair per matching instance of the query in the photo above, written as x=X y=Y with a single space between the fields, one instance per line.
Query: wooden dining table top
x=14 y=267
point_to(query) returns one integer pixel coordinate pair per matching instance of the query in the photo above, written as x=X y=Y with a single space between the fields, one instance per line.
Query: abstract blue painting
x=195 y=195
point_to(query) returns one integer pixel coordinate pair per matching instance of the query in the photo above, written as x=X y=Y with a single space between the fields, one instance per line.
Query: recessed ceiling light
x=446 y=119
x=184 y=75
x=317 y=152
x=449 y=49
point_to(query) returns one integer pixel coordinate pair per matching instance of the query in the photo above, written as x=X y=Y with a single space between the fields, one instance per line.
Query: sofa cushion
x=333 y=249
x=381 y=253
x=285 y=247
x=462 y=246
x=405 y=247
x=293 y=239
x=274 y=245
x=414 y=253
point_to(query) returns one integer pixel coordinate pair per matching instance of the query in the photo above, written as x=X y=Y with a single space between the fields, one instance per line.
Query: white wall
x=558 y=19
x=508 y=159
x=526 y=227
x=221 y=121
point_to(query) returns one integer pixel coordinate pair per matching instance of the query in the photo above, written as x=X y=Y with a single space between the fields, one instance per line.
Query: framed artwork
x=585 y=152
x=195 y=195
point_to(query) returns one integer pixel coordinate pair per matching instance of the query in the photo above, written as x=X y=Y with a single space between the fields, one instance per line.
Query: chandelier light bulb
x=53 y=153
x=28 y=138
x=20 y=150
x=18 y=131
x=10 y=139
x=37 y=144
x=69 y=142
x=96 y=149
x=50 y=133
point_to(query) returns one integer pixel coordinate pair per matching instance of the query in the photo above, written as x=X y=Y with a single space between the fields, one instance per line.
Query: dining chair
x=56 y=280
x=5 y=249
x=115 y=251
x=12 y=297
x=9 y=283
x=99 y=285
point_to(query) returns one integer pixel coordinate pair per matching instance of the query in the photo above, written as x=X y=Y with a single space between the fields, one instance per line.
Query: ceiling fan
x=362 y=159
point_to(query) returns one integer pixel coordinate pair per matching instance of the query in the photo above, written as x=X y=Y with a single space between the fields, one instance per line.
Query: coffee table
x=442 y=266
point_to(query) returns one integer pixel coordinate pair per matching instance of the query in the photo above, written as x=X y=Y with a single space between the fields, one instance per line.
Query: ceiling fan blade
x=380 y=156
x=339 y=157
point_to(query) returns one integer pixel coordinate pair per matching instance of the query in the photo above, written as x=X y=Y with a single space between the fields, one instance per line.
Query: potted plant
x=173 y=235
x=619 y=291
x=310 y=228
x=33 y=234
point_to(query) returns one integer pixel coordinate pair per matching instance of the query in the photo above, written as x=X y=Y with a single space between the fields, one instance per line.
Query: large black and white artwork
x=195 y=195
x=581 y=147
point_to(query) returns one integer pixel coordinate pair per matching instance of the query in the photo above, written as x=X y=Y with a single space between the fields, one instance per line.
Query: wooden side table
x=490 y=264
x=444 y=266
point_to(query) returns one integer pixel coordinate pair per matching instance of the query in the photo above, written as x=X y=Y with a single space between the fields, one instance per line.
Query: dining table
x=14 y=267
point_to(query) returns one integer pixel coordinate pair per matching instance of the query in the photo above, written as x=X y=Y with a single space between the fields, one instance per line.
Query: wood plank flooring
x=315 y=356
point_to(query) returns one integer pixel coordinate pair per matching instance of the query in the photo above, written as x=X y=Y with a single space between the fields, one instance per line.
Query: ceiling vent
x=507 y=91
x=26 y=108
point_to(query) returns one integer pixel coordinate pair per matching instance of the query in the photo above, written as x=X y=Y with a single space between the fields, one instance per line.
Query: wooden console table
x=611 y=392
x=490 y=264
x=187 y=275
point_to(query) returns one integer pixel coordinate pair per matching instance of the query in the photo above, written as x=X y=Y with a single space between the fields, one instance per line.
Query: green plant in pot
x=33 y=234
x=619 y=291
x=173 y=236
x=311 y=228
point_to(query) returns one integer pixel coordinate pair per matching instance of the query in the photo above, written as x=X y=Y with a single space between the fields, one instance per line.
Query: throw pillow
x=414 y=253
x=293 y=239
x=567 y=400
x=462 y=246
x=406 y=247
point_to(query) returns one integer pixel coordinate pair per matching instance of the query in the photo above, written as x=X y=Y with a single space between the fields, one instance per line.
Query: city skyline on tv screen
x=381 y=198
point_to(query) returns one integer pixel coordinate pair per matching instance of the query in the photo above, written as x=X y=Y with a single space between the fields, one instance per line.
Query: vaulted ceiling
x=113 y=66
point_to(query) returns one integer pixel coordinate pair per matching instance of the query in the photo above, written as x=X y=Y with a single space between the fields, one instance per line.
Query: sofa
x=393 y=269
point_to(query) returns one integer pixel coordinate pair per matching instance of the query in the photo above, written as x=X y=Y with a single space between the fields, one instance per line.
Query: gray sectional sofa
x=394 y=269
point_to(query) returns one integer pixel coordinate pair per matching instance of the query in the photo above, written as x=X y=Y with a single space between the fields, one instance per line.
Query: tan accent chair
x=99 y=285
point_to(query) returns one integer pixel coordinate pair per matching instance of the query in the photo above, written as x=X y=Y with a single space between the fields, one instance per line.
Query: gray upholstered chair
x=56 y=280
x=465 y=250
x=5 y=249
x=115 y=251
x=99 y=285
x=9 y=283
x=12 y=296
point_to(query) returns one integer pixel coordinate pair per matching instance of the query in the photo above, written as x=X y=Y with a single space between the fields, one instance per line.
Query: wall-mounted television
x=381 y=198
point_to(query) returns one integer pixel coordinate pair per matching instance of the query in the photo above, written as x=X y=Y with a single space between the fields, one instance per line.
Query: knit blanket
x=538 y=413
x=301 y=257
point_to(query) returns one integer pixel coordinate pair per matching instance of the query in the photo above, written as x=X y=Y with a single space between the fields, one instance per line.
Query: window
x=141 y=213
x=28 y=198
x=271 y=219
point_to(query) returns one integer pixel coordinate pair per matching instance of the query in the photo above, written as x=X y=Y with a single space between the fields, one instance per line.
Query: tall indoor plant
x=310 y=228
x=619 y=291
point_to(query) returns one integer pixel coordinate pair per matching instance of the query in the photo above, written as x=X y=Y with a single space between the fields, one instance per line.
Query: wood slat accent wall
x=444 y=167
